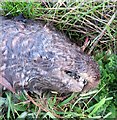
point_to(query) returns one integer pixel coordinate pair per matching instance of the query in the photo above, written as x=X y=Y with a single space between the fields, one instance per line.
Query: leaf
x=22 y=115
x=2 y=101
x=51 y=102
x=97 y=106
x=107 y=115
x=10 y=106
x=67 y=100
x=50 y=115
x=20 y=107
x=113 y=110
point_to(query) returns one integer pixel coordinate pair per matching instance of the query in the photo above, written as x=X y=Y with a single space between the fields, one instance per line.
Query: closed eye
x=72 y=74
x=76 y=76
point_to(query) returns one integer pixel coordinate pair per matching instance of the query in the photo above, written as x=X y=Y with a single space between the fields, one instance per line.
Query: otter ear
x=6 y=84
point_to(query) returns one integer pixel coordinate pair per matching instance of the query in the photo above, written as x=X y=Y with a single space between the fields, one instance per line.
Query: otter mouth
x=77 y=77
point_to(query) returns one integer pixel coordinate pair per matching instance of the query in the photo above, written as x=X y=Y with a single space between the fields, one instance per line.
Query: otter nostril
x=35 y=61
x=85 y=82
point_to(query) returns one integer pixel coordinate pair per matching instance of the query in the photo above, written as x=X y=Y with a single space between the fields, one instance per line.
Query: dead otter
x=35 y=57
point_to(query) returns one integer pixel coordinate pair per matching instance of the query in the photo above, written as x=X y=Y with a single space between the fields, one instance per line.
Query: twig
x=40 y=106
x=102 y=33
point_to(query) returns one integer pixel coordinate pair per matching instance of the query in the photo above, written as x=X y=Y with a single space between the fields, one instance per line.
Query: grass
x=95 y=21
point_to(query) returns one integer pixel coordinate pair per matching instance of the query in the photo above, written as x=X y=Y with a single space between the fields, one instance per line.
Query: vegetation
x=81 y=21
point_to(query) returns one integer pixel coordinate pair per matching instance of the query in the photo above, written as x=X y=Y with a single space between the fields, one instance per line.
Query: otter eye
x=72 y=74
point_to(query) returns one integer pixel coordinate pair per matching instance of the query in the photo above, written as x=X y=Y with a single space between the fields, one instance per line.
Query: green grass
x=96 y=21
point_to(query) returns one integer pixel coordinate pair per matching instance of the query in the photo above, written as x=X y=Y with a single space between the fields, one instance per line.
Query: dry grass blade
x=40 y=106
x=102 y=33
